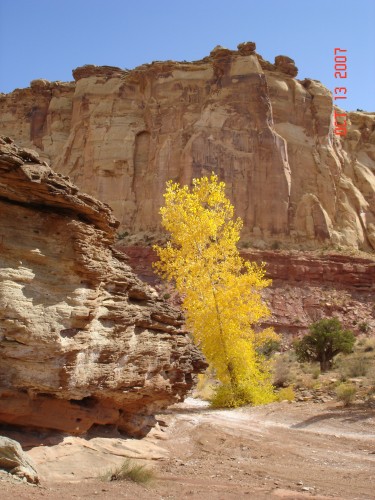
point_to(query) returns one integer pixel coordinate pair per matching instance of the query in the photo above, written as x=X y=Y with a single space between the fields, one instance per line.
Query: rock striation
x=120 y=135
x=306 y=287
x=83 y=341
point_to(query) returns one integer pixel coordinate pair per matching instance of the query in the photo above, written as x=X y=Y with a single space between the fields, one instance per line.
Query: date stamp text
x=341 y=68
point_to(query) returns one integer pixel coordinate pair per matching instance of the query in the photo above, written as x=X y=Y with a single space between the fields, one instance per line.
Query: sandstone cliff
x=82 y=340
x=121 y=134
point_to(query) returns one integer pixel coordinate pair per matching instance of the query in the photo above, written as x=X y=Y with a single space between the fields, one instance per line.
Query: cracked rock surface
x=83 y=341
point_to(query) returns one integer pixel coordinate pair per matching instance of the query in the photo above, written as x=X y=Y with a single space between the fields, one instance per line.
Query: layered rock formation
x=82 y=340
x=121 y=134
x=306 y=287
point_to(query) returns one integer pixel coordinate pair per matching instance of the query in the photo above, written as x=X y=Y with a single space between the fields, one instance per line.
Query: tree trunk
x=325 y=364
x=232 y=376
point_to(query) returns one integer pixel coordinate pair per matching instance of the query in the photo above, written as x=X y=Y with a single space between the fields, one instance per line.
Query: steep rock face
x=82 y=340
x=307 y=287
x=121 y=134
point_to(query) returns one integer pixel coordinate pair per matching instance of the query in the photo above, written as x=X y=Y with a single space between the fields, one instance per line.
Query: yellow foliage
x=266 y=336
x=205 y=387
x=286 y=394
x=221 y=291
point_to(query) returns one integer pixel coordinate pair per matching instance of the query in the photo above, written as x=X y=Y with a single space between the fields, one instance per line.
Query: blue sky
x=48 y=38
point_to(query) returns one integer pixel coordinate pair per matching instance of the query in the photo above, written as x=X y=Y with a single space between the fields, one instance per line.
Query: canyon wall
x=120 y=135
x=83 y=341
x=306 y=287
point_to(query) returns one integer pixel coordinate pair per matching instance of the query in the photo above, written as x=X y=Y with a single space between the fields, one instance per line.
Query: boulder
x=15 y=461
x=83 y=341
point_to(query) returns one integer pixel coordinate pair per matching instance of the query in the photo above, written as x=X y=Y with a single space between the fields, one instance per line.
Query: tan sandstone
x=120 y=135
x=83 y=341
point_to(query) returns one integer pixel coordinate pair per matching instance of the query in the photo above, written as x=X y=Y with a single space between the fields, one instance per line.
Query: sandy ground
x=292 y=451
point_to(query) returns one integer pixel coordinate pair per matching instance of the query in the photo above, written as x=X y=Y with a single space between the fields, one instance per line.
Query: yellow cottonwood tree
x=221 y=291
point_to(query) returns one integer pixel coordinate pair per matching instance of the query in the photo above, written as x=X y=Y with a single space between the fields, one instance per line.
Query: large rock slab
x=121 y=134
x=77 y=459
x=83 y=342
x=14 y=460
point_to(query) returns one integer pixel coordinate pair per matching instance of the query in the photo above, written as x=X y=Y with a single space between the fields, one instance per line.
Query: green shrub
x=364 y=327
x=325 y=340
x=121 y=236
x=346 y=393
x=269 y=347
x=224 y=397
x=130 y=470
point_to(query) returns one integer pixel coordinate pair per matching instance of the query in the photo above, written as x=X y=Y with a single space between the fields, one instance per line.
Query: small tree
x=325 y=340
x=220 y=291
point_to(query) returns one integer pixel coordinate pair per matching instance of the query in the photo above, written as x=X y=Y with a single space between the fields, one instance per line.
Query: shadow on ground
x=353 y=413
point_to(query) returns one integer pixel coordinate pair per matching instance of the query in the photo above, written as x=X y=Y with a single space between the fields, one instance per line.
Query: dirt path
x=293 y=451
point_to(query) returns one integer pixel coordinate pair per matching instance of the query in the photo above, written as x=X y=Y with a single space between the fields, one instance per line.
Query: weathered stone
x=40 y=84
x=246 y=48
x=82 y=340
x=91 y=70
x=286 y=65
x=120 y=135
x=220 y=51
x=14 y=460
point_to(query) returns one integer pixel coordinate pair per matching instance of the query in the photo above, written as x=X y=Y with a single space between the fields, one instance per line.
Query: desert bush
x=121 y=236
x=356 y=366
x=315 y=372
x=312 y=369
x=364 y=327
x=305 y=381
x=346 y=393
x=286 y=394
x=245 y=244
x=131 y=471
x=369 y=345
x=224 y=397
x=282 y=375
x=325 y=340
x=269 y=348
